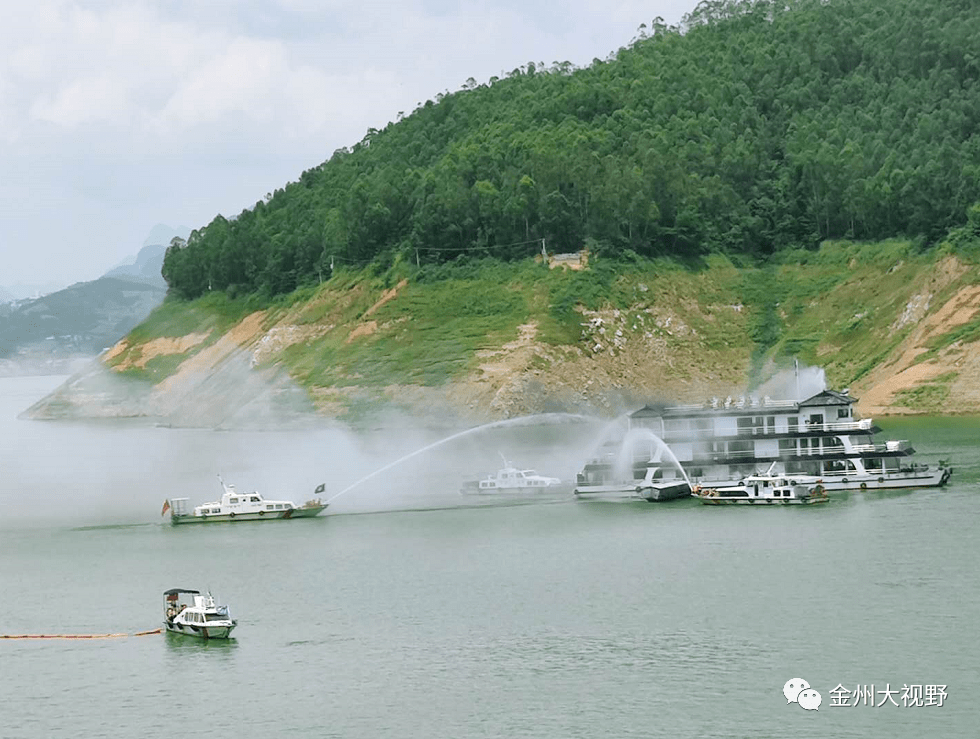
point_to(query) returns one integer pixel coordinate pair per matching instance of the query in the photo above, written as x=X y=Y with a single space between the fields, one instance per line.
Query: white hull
x=306 y=512
x=764 y=501
x=203 y=631
x=637 y=491
x=520 y=492
x=888 y=481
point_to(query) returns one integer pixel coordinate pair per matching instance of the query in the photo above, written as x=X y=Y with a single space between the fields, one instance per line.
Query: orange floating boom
x=77 y=636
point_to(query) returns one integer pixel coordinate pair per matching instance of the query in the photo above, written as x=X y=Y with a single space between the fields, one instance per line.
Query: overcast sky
x=116 y=116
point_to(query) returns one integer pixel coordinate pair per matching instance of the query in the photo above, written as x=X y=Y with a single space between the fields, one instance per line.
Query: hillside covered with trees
x=755 y=127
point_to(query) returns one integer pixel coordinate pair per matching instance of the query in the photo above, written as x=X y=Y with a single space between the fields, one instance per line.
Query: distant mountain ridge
x=43 y=334
x=146 y=268
x=147 y=264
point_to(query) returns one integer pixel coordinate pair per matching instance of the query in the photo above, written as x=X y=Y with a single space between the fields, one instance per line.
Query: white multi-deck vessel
x=721 y=442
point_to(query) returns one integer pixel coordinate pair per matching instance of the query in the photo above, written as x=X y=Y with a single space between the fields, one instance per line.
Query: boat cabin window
x=269 y=507
x=777 y=494
x=254 y=499
x=843 y=412
x=233 y=501
x=793 y=424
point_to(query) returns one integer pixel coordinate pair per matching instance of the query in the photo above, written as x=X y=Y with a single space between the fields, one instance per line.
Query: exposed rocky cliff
x=900 y=334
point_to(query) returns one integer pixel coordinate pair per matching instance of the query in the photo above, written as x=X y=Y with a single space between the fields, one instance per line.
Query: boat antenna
x=221 y=481
x=506 y=463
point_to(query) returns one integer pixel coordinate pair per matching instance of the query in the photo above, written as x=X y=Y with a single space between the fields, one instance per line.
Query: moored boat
x=719 y=442
x=235 y=506
x=650 y=481
x=197 y=615
x=765 y=490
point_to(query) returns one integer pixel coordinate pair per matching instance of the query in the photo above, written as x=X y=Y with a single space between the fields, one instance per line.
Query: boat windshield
x=216 y=616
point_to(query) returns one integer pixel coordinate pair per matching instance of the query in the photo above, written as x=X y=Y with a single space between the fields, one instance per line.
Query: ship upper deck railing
x=861 y=426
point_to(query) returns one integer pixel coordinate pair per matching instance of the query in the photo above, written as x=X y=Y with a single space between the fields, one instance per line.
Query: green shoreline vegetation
x=781 y=175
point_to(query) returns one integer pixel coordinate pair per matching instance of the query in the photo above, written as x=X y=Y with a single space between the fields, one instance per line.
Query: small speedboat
x=236 y=506
x=189 y=612
x=651 y=481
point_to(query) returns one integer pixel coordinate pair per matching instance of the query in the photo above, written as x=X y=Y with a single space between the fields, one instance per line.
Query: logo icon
x=799 y=691
x=793 y=688
x=809 y=700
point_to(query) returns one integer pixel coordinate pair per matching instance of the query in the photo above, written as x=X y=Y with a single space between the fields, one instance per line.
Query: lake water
x=560 y=619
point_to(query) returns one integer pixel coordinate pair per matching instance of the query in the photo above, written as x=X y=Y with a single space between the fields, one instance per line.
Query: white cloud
x=116 y=115
x=83 y=101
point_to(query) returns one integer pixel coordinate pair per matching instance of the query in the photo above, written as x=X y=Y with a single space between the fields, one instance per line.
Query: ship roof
x=744 y=405
x=648 y=411
x=828 y=397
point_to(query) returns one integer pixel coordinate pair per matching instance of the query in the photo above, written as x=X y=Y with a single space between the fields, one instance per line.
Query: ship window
x=740 y=448
x=793 y=424
x=214 y=617
x=254 y=499
x=873 y=464
x=770 y=424
x=233 y=500
x=787 y=446
x=777 y=494
x=268 y=507
x=843 y=412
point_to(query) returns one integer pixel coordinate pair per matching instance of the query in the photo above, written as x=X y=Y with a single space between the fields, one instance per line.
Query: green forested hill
x=755 y=127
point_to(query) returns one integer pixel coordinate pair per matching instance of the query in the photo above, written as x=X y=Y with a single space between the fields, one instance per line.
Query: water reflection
x=181 y=644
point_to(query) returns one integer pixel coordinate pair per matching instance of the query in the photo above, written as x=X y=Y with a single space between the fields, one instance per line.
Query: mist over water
x=539 y=621
x=121 y=471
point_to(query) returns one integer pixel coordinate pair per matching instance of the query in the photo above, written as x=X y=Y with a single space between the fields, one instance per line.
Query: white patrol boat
x=200 y=617
x=235 y=506
x=767 y=489
x=508 y=480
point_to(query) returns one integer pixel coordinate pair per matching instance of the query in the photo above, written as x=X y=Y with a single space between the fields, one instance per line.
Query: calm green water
x=555 y=620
